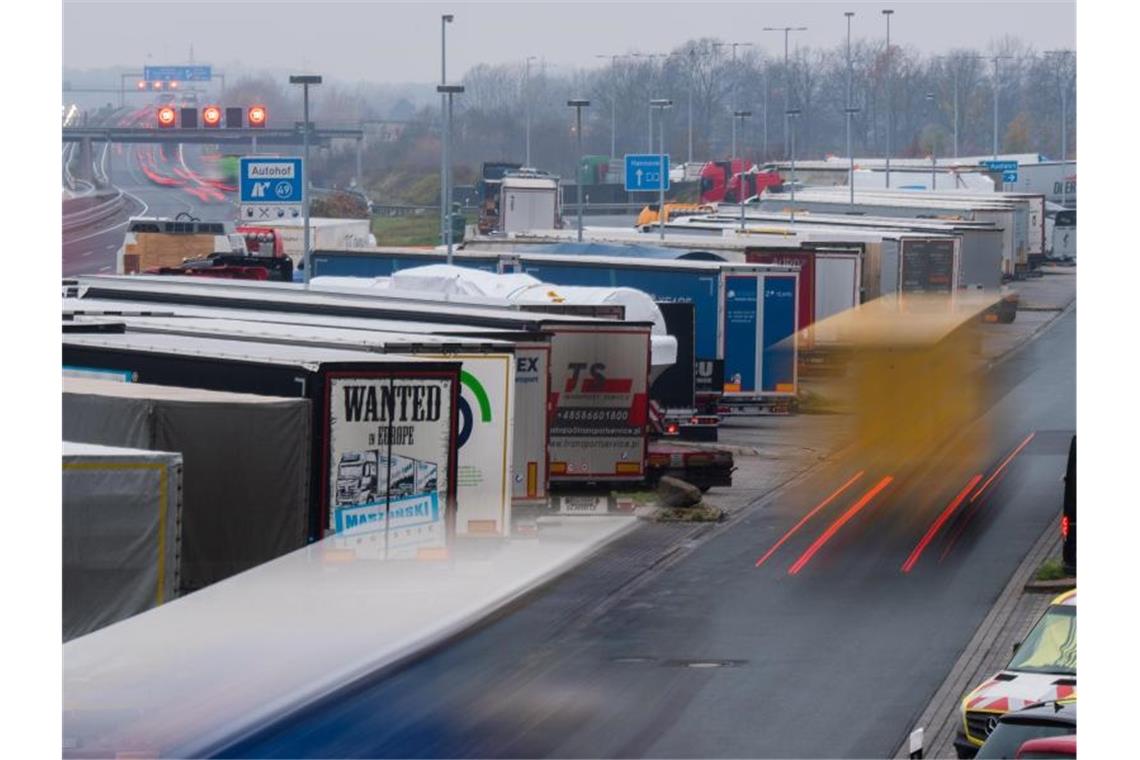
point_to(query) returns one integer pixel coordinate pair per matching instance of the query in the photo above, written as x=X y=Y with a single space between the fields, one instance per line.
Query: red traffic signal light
x=257 y=116
x=157 y=85
x=211 y=116
x=166 y=117
x=142 y=85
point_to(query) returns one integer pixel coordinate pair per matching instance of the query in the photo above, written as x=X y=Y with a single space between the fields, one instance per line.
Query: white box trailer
x=981 y=246
x=1011 y=218
x=122 y=518
x=625 y=461
x=487 y=405
x=528 y=203
x=530 y=481
x=324 y=232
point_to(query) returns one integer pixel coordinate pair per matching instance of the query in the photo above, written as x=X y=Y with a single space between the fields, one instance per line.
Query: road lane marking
x=969 y=515
x=835 y=526
x=807 y=517
x=938 y=523
x=1002 y=466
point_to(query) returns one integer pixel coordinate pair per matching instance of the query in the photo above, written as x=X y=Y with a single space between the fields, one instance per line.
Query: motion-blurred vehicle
x=1045 y=720
x=1043 y=669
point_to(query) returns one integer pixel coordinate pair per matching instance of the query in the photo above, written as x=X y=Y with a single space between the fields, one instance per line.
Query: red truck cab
x=722 y=181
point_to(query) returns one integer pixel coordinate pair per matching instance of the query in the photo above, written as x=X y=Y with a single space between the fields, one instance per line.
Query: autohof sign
x=271 y=188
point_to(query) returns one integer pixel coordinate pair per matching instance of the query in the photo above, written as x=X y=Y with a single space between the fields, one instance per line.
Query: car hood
x=1013 y=690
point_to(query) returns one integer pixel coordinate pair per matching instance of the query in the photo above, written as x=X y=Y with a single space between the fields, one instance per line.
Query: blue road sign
x=177 y=73
x=1009 y=176
x=270 y=180
x=1000 y=166
x=646 y=171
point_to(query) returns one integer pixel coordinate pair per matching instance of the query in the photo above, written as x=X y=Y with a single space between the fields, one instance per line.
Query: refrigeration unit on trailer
x=486 y=403
x=397 y=408
x=626 y=461
x=531 y=355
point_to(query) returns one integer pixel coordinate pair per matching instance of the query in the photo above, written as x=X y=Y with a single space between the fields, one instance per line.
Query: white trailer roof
x=272 y=332
x=236 y=350
x=104 y=307
x=290 y=297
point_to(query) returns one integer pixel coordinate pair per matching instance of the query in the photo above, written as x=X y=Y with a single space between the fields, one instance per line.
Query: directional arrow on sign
x=638 y=175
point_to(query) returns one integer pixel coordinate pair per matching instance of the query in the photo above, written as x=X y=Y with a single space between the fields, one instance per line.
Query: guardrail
x=91 y=209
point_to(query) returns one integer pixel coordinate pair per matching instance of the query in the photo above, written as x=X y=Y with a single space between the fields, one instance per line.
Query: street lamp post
x=448 y=91
x=847 y=112
x=305 y=80
x=444 y=20
x=692 y=64
x=662 y=104
x=742 y=115
x=578 y=104
x=787 y=89
x=1064 y=88
x=792 y=116
x=526 y=104
x=933 y=148
x=956 y=60
x=890 y=105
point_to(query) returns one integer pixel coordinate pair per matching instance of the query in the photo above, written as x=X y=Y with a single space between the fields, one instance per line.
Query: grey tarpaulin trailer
x=246 y=465
x=396 y=412
x=122 y=511
x=487 y=403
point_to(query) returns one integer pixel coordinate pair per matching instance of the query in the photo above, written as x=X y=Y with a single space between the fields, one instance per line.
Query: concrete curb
x=940 y=716
x=1058 y=586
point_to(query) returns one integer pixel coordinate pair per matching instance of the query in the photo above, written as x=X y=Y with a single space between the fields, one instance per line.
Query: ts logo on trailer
x=594 y=380
x=469 y=384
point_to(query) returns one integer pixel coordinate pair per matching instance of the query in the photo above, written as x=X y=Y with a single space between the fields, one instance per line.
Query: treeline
x=913 y=92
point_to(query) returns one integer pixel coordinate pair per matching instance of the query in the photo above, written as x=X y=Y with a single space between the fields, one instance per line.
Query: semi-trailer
x=1011 y=216
x=531 y=356
x=599 y=368
x=745 y=320
x=396 y=408
x=487 y=405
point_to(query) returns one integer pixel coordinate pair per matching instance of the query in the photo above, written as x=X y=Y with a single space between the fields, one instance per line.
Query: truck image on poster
x=356 y=478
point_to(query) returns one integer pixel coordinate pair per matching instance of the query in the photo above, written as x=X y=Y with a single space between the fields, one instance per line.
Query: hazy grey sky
x=400 y=42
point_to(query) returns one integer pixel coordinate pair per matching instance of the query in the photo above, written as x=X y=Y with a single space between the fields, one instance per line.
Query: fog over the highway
x=399 y=42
